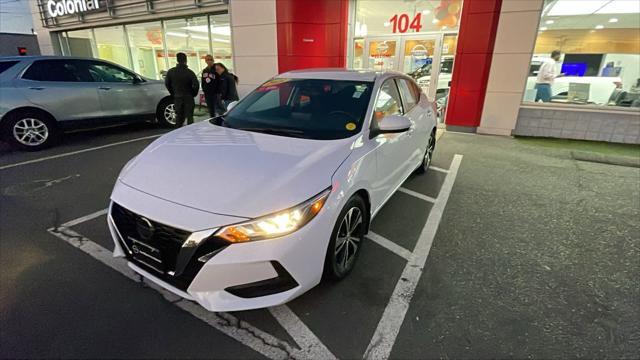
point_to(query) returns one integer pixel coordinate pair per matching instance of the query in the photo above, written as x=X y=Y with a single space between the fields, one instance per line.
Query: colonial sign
x=68 y=7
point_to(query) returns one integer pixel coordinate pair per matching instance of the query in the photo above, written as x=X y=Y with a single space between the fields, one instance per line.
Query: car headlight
x=275 y=225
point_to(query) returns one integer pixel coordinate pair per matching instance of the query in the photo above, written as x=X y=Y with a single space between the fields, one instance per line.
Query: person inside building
x=211 y=87
x=183 y=86
x=546 y=75
x=228 y=89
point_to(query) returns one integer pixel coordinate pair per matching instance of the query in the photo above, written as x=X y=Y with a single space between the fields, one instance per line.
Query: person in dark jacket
x=228 y=90
x=183 y=86
x=211 y=87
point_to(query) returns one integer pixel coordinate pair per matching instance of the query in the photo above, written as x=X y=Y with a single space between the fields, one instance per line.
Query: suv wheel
x=30 y=130
x=166 y=113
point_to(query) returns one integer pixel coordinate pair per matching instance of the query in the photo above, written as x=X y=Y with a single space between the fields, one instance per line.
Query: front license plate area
x=147 y=254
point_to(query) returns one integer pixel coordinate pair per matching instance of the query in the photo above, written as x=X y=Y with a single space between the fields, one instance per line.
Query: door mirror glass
x=231 y=105
x=394 y=124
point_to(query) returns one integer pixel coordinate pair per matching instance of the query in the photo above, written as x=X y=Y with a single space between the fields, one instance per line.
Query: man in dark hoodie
x=211 y=87
x=183 y=86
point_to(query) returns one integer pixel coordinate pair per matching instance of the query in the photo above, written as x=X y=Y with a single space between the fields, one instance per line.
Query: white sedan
x=253 y=208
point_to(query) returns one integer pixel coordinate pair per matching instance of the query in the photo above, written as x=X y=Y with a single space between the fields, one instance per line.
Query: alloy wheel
x=348 y=239
x=30 y=132
x=429 y=153
x=170 y=114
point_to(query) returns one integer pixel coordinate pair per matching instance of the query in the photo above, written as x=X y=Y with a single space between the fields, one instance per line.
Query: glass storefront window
x=78 y=43
x=147 y=49
x=189 y=36
x=221 y=39
x=374 y=17
x=110 y=44
x=153 y=45
x=599 y=61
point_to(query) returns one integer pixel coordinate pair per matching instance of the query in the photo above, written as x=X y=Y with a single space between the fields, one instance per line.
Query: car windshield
x=305 y=108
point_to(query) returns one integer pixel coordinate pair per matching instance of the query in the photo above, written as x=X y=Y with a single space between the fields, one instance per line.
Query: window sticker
x=350 y=126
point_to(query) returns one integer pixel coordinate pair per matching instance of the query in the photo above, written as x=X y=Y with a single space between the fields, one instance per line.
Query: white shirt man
x=546 y=75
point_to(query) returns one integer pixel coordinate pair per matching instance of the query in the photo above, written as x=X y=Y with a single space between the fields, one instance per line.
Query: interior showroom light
x=543 y=28
x=613 y=20
x=598 y=27
x=177 y=34
x=549 y=22
x=568 y=7
x=620 y=7
x=218 y=30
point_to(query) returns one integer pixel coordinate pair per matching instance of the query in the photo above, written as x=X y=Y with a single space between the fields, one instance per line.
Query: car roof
x=44 y=57
x=337 y=74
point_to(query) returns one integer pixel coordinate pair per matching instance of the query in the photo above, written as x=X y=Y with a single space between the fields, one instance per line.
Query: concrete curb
x=606 y=159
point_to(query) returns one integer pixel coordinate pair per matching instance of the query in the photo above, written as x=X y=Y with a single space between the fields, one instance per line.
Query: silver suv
x=42 y=96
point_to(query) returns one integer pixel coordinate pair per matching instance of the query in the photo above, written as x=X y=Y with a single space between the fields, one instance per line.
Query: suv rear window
x=5 y=65
x=58 y=70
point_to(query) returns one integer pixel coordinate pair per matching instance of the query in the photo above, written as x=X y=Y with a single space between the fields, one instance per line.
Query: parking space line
x=241 y=331
x=418 y=195
x=300 y=333
x=390 y=245
x=435 y=168
x=77 y=152
x=388 y=328
x=85 y=218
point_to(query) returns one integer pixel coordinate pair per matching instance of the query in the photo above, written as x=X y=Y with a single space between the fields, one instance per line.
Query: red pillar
x=478 y=26
x=312 y=33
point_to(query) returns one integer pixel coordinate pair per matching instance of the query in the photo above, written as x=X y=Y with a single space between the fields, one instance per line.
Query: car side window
x=56 y=70
x=388 y=101
x=408 y=94
x=103 y=72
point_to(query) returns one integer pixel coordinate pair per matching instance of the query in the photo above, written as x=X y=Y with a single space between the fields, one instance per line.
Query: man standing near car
x=546 y=75
x=211 y=87
x=183 y=86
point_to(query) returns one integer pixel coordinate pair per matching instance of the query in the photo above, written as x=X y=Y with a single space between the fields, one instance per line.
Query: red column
x=312 y=33
x=478 y=26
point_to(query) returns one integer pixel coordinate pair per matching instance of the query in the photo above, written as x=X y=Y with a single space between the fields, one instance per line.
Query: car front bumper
x=230 y=277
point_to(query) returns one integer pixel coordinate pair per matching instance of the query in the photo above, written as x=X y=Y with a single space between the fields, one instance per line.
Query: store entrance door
x=415 y=55
x=420 y=59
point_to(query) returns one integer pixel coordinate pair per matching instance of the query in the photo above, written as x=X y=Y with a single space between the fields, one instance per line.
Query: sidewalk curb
x=606 y=159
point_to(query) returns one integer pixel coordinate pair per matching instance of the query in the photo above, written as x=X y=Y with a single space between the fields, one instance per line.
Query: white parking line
x=417 y=194
x=390 y=245
x=435 y=168
x=258 y=340
x=77 y=152
x=396 y=310
x=300 y=333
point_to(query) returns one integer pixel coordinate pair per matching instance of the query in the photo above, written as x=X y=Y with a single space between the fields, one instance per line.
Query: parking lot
x=501 y=250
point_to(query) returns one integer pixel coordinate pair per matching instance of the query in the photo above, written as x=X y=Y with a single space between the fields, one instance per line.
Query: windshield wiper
x=277 y=131
x=217 y=120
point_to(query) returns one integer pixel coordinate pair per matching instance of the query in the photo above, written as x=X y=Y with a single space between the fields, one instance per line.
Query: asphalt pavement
x=536 y=255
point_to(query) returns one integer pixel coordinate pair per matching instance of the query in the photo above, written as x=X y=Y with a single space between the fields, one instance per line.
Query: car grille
x=159 y=251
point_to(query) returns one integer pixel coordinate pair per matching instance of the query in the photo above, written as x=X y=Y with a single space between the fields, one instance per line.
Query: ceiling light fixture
x=543 y=28
x=598 y=27
x=549 y=22
x=613 y=20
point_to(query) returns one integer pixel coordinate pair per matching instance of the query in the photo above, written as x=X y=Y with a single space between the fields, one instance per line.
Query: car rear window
x=5 y=65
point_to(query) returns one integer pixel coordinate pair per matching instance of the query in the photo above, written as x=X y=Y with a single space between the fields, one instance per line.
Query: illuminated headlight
x=275 y=225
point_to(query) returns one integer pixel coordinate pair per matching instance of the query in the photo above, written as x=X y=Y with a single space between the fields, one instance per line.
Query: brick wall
x=596 y=125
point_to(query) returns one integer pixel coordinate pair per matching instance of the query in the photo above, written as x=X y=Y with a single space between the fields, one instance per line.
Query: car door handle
x=104 y=88
x=36 y=88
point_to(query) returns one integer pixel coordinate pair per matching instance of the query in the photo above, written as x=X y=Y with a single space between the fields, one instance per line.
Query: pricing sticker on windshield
x=350 y=126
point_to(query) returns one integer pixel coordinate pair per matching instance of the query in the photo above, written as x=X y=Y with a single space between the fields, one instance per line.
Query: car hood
x=234 y=172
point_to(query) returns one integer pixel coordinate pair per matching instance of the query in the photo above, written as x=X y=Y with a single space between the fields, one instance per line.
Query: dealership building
x=477 y=59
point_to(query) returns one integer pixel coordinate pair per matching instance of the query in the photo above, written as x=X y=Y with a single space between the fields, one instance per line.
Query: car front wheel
x=346 y=239
x=30 y=130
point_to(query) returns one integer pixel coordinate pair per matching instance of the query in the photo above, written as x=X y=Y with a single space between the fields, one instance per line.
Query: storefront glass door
x=420 y=59
x=382 y=53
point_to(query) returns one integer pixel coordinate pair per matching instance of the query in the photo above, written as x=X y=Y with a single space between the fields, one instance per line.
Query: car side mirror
x=136 y=80
x=393 y=124
x=232 y=105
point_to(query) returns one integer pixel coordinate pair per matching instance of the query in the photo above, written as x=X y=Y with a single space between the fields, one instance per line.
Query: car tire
x=166 y=114
x=342 y=255
x=30 y=130
x=428 y=154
